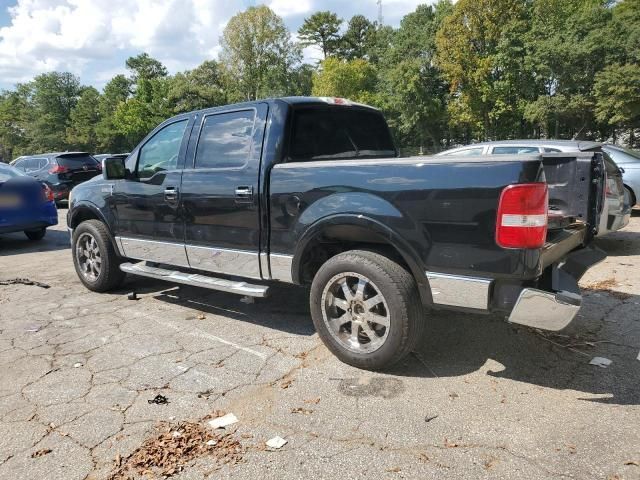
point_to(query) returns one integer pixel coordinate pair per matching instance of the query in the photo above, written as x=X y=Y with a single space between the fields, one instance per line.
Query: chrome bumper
x=545 y=310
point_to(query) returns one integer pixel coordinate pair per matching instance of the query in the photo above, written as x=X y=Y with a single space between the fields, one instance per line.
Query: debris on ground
x=24 y=281
x=286 y=384
x=77 y=365
x=41 y=452
x=428 y=418
x=159 y=400
x=133 y=296
x=32 y=329
x=314 y=401
x=607 y=286
x=201 y=316
x=301 y=410
x=638 y=357
x=166 y=454
x=276 y=443
x=632 y=462
x=394 y=470
x=453 y=395
x=248 y=300
x=600 y=362
x=224 y=421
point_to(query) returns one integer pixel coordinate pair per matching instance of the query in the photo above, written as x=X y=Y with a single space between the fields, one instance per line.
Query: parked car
x=310 y=191
x=101 y=156
x=617 y=202
x=61 y=171
x=26 y=205
x=629 y=161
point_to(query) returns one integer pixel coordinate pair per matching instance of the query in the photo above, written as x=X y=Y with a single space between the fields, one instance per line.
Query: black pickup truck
x=311 y=191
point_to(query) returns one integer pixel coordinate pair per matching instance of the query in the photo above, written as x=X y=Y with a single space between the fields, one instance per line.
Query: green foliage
x=199 y=88
x=359 y=39
x=353 y=79
x=81 y=134
x=322 y=29
x=258 y=52
x=145 y=67
x=617 y=92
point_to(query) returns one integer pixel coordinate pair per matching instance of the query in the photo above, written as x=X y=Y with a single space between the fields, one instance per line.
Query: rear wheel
x=366 y=309
x=94 y=257
x=35 y=235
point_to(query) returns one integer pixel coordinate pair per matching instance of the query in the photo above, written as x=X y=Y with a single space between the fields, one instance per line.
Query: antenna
x=380 y=18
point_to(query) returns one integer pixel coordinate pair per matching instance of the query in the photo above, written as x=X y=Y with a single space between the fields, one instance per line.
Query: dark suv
x=61 y=171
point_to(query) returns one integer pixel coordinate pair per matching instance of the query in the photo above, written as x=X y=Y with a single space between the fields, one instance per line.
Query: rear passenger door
x=220 y=192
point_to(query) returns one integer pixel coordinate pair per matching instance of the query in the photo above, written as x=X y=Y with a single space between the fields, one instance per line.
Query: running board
x=196 y=280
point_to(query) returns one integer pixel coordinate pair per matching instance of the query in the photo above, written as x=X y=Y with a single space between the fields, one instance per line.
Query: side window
x=20 y=165
x=225 y=140
x=42 y=162
x=161 y=151
x=552 y=150
x=30 y=164
x=469 y=152
x=514 y=150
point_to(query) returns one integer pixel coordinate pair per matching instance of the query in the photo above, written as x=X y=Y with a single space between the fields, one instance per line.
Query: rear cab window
x=332 y=133
x=225 y=140
x=514 y=150
x=467 y=152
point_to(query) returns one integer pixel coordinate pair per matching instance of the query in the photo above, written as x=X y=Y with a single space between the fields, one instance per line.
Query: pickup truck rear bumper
x=550 y=302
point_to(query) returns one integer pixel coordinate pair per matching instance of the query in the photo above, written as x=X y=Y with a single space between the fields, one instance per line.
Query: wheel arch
x=88 y=211
x=342 y=232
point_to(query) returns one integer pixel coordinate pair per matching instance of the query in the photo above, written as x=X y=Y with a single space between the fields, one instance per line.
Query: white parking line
x=196 y=332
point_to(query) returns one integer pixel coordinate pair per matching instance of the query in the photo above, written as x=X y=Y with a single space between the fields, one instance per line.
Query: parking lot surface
x=479 y=399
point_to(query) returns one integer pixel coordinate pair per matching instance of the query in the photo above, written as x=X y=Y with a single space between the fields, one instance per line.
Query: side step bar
x=196 y=280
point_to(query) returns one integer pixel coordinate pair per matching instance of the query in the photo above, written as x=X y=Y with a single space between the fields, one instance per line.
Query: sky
x=93 y=38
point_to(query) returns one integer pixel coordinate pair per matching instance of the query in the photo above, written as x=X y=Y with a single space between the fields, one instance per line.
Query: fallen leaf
x=394 y=470
x=632 y=462
x=314 y=401
x=449 y=444
x=41 y=453
x=301 y=410
x=286 y=384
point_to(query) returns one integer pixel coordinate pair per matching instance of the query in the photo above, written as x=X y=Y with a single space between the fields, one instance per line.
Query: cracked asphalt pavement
x=479 y=399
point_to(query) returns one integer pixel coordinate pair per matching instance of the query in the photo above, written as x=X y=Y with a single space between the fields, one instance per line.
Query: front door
x=220 y=192
x=149 y=222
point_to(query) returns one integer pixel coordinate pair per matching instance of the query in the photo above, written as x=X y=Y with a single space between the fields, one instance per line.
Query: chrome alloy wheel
x=88 y=257
x=355 y=312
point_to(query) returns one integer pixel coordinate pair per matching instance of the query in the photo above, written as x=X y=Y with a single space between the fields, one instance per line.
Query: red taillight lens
x=58 y=169
x=522 y=216
x=48 y=193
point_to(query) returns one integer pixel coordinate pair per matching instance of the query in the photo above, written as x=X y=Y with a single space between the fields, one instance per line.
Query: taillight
x=522 y=216
x=58 y=169
x=48 y=193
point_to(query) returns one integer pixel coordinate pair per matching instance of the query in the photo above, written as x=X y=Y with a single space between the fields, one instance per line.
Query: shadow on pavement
x=458 y=344
x=17 y=243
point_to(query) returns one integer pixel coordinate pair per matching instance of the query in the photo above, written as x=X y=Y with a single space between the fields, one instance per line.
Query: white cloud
x=94 y=37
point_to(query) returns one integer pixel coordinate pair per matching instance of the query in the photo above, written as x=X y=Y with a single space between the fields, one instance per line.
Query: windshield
x=7 y=172
x=339 y=132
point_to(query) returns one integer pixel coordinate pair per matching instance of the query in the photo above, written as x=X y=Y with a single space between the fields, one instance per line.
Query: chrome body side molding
x=281 y=267
x=545 y=310
x=222 y=260
x=154 y=251
x=459 y=290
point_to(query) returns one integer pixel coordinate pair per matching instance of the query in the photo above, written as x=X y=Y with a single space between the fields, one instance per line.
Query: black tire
x=630 y=196
x=109 y=275
x=35 y=235
x=402 y=306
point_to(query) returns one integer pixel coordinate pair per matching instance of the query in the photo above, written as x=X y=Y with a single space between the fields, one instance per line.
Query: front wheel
x=366 y=309
x=94 y=257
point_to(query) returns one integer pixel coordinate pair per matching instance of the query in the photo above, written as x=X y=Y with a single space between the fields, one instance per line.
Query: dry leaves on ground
x=169 y=451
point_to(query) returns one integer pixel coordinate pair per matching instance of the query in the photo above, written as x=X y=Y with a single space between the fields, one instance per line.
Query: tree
x=413 y=92
x=81 y=133
x=477 y=52
x=199 y=88
x=143 y=66
x=353 y=79
x=258 y=52
x=15 y=115
x=321 y=29
x=54 y=95
x=359 y=38
x=617 y=93
x=110 y=139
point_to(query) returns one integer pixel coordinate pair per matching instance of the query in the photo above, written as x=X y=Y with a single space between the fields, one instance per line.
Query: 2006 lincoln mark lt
x=311 y=191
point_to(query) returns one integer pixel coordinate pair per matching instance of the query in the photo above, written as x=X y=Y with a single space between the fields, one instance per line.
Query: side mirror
x=113 y=168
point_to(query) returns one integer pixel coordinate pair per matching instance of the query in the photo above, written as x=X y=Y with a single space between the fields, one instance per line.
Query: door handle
x=244 y=194
x=171 y=194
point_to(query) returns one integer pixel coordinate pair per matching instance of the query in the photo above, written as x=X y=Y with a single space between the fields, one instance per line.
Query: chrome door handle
x=244 y=194
x=171 y=194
